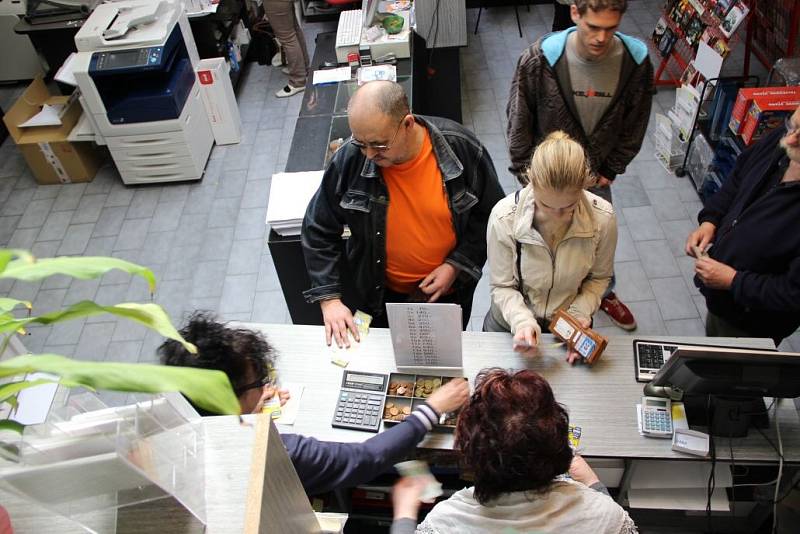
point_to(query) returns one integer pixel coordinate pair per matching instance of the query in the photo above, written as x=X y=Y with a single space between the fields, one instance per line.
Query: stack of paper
x=289 y=195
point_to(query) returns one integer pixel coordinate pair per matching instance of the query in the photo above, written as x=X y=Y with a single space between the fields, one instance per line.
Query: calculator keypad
x=359 y=410
x=657 y=420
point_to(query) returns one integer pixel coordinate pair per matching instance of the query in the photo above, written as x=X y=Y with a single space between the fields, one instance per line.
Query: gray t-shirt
x=593 y=82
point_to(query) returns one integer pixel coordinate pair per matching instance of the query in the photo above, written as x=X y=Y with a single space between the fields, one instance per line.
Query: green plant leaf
x=8 y=424
x=9 y=391
x=8 y=254
x=85 y=268
x=152 y=316
x=8 y=304
x=210 y=390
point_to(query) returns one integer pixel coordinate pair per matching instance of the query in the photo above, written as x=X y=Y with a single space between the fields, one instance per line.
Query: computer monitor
x=726 y=386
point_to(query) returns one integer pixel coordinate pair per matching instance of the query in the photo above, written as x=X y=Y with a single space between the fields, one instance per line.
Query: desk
x=600 y=399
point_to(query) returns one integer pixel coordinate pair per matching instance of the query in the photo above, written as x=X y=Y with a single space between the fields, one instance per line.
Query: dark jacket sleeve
x=321 y=237
x=717 y=206
x=323 y=466
x=404 y=525
x=470 y=254
x=521 y=113
x=777 y=292
x=639 y=99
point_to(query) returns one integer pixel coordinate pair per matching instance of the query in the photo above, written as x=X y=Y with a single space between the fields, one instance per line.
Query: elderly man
x=751 y=275
x=594 y=83
x=416 y=193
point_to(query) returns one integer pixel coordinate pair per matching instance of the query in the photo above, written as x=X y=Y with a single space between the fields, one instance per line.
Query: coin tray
x=413 y=399
x=398 y=402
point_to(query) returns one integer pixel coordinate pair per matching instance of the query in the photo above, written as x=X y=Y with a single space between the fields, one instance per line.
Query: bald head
x=387 y=98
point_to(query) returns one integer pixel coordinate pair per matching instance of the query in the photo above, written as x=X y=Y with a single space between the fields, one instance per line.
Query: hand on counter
x=338 y=320
x=526 y=340
x=450 y=397
x=268 y=392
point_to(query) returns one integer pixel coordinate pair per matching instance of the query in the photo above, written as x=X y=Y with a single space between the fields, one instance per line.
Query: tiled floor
x=206 y=241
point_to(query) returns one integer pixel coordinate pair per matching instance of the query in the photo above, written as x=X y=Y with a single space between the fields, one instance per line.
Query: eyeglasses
x=260 y=383
x=377 y=148
x=791 y=128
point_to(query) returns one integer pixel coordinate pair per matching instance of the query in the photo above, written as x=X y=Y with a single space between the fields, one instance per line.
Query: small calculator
x=656 y=417
x=360 y=403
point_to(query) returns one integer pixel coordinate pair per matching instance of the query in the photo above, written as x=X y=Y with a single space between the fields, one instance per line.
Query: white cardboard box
x=219 y=100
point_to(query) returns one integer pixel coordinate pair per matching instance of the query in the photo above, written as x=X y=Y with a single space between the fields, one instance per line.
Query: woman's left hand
x=573 y=355
x=268 y=392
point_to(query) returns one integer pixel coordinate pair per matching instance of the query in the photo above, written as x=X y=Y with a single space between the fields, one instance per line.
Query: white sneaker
x=288 y=90
x=285 y=70
x=277 y=59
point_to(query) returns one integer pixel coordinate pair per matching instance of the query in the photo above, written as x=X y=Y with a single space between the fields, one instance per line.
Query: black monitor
x=726 y=386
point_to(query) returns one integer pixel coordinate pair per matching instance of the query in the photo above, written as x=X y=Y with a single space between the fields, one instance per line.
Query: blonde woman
x=550 y=246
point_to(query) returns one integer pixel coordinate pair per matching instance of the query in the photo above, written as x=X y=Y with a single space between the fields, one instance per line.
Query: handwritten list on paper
x=425 y=335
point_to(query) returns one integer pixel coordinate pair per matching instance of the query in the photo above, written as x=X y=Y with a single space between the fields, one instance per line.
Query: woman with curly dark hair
x=513 y=438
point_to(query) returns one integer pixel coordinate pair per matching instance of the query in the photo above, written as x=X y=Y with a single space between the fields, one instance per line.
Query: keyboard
x=348 y=33
x=649 y=356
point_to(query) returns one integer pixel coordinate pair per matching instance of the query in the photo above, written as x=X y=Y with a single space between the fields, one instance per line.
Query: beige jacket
x=573 y=277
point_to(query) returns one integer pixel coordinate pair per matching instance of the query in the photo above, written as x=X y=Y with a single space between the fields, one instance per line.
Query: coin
x=401 y=390
x=394 y=411
x=437 y=382
x=406 y=410
x=428 y=384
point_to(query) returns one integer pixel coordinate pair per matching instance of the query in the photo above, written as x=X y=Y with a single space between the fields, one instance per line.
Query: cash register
x=135 y=69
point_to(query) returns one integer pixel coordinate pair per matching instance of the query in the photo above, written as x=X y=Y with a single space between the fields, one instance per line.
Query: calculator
x=656 y=417
x=360 y=403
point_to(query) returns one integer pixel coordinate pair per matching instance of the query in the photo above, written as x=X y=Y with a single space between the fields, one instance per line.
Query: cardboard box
x=219 y=100
x=51 y=158
x=766 y=114
x=745 y=99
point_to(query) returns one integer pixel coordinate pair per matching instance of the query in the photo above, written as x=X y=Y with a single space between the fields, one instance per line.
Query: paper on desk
x=332 y=75
x=49 y=116
x=292 y=406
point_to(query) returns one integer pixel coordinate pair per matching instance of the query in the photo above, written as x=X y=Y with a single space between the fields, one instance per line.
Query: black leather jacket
x=353 y=193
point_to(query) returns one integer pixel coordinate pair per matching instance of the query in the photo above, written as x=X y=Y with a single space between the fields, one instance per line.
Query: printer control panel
x=125 y=60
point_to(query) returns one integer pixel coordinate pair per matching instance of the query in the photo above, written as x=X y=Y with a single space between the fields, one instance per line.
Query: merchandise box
x=766 y=114
x=746 y=96
x=50 y=156
x=219 y=100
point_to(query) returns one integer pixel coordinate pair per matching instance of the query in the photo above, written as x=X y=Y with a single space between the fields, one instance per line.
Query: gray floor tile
x=686 y=265
x=217 y=245
x=156 y=248
x=642 y=223
x=677 y=232
x=48 y=300
x=143 y=204
x=668 y=205
x=182 y=261
x=192 y=228
x=55 y=227
x=124 y=351
x=7 y=227
x=45 y=249
x=100 y=246
x=69 y=197
x=51 y=191
x=255 y=195
x=251 y=223
x=23 y=238
x=648 y=318
x=209 y=278
x=167 y=216
x=35 y=213
x=66 y=333
x=270 y=307
x=237 y=293
x=657 y=259
x=93 y=342
x=700 y=304
x=629 y=193
x=245 y=257
x=174 y=193
x=224 y=212
x=17 y=201
x=76 y=239
x=267 y=275
x=673 y=298
x=120 y=196
x=109 y=223
x=132 y=234
x=129 y=331
x=89 y=209
x=108 y=295
x=686 y=327
x=632 y=282
x=237 y=157
x=231 y=183
x=487 y=122
x=81 y=290
x=626 y=251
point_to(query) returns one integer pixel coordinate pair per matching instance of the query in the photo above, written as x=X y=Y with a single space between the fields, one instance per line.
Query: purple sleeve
x=323 y=465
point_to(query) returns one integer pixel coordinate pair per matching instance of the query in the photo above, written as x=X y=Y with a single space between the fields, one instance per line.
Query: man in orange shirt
x=416 y=193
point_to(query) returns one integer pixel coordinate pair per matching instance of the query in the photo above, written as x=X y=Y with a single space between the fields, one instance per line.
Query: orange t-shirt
x=419 y=226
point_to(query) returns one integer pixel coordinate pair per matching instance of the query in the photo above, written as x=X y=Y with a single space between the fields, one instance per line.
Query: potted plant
x=207 y=389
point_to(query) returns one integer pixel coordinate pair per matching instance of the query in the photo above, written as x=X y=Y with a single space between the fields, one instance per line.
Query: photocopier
x=135 y=69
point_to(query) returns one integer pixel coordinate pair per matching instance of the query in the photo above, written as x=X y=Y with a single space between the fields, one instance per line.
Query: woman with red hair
x=512 y=437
